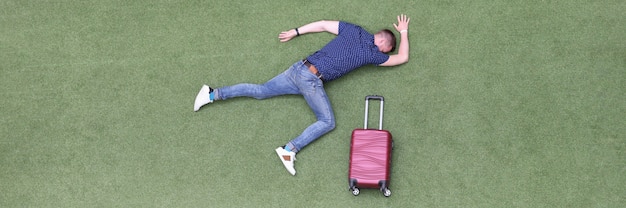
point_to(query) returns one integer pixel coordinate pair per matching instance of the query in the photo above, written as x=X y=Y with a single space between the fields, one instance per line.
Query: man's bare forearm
x=320 y=26
x=313 y=27
x=403 y=50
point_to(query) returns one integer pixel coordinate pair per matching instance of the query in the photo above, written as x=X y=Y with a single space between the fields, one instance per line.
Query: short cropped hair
x=390 y=37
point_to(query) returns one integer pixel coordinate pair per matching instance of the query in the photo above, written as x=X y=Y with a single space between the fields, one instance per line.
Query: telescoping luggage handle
x=382 y=102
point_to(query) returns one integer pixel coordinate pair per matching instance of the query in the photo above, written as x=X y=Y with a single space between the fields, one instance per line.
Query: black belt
x=313 y=69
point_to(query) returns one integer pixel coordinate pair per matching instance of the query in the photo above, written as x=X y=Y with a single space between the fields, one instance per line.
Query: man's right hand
x=403 y=23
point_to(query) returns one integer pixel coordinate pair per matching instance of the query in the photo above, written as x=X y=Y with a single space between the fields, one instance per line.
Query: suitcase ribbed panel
x=370 y=157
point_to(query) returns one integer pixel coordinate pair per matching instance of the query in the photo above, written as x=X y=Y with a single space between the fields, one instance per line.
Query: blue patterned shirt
x=352 y=48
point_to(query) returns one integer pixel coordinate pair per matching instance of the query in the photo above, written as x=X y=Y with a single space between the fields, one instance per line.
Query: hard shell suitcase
x=370 y=155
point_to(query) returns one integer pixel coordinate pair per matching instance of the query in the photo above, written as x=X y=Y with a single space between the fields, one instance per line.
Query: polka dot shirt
x=352 y=48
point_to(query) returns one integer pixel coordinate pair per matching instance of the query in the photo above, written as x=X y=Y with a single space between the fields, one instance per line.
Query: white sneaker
x=202 y=98
x=287 y=158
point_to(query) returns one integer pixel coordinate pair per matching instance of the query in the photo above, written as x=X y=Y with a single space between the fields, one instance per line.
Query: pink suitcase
x=370 y=155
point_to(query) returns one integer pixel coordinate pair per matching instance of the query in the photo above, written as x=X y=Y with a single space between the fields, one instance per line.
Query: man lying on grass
x=352 y=48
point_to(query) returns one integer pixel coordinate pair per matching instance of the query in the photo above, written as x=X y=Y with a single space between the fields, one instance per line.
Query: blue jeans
x=295 y=80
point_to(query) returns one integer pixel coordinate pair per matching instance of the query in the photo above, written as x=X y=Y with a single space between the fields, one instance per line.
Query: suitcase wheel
x=386 y=192
x=355 y=191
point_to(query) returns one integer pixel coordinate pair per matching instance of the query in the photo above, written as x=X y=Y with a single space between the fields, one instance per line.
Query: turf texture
x=503 y=104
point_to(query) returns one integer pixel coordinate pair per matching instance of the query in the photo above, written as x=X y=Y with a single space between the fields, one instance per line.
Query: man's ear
x=385 y=44
x=381 y=41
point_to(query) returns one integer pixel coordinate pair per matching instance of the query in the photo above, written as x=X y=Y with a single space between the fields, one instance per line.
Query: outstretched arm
x=403 y=51
x=313 y=27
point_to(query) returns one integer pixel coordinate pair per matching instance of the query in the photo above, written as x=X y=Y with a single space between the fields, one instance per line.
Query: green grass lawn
x=503 y=104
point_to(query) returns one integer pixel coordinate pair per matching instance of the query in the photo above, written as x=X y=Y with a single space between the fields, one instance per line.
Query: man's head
x=385 y=40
